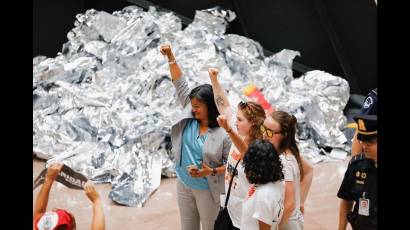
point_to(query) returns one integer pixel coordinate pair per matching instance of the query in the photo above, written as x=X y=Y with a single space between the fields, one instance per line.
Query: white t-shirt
x=291 y=172
x=240 y=184
x=264 y=203
x=239 y=187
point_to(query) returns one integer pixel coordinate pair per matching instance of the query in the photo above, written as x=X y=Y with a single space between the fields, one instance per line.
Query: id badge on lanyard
x=364 y=206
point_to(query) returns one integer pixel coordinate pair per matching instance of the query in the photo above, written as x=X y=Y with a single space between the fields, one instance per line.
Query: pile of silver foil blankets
x=105 y=104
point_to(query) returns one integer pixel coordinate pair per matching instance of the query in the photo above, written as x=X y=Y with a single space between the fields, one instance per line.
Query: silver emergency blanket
x=105 y=104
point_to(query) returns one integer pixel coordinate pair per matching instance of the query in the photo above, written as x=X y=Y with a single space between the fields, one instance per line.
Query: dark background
x=336 y=36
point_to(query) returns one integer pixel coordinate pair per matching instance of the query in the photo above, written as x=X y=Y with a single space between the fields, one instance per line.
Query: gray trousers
x=196 y=206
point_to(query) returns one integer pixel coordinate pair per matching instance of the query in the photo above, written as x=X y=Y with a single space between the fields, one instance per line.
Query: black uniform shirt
x=360 y=177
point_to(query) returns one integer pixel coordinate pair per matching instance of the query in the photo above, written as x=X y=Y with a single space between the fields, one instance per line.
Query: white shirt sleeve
x=288 y=168
x=263 y=210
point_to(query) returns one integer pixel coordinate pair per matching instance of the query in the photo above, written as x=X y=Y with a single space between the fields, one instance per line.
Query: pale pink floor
x=161 y=210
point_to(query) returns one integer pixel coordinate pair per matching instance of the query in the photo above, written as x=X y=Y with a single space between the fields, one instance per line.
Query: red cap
x=52 y=220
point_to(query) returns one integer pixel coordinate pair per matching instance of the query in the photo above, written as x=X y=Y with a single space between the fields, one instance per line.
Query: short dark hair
x=262 y=163
x=205 y=94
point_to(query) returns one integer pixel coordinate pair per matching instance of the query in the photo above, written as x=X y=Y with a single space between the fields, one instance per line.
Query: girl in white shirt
x=263 y=206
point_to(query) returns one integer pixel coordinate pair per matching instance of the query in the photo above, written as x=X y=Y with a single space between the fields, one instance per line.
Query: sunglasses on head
x=268 y=132
x=243 y=105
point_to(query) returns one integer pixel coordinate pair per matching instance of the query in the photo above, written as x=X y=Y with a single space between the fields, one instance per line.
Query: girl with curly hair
x=263 y=205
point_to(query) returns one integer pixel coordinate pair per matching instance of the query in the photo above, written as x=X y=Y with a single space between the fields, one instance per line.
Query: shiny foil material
x=105 y=104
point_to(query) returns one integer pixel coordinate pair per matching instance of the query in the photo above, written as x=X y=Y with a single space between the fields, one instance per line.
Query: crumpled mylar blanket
x=105 y=104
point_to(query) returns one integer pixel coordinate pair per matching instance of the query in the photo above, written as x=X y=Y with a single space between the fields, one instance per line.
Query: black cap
x=366 y=127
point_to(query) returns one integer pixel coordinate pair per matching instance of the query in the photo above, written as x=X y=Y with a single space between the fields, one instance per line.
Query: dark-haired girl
x=263 y=206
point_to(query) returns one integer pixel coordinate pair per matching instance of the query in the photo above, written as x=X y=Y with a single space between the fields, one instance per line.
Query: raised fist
x=166 y=50
x=213 y=72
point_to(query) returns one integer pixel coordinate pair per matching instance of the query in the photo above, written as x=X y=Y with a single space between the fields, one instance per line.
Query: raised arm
x=98 y=213
x=176 y=72
x=221 y=99
x=42 y=198
x=176 y=76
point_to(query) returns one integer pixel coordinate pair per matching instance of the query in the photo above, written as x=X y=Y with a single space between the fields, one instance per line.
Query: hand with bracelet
x=166 y=51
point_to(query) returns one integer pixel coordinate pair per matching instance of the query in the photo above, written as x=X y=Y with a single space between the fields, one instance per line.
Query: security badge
x=364 y=205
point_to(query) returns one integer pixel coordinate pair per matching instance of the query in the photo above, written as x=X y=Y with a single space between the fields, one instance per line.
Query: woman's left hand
x=203 y=172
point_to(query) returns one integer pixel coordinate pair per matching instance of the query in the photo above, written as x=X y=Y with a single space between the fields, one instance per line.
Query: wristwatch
x=213 y=171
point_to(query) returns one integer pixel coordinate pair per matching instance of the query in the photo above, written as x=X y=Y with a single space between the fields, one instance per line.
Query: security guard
x=360 y=180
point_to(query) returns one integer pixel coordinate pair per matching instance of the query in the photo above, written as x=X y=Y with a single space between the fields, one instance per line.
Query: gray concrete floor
x=161 y=210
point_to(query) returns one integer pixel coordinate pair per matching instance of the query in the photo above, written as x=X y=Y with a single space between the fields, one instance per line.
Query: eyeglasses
x=268 y=132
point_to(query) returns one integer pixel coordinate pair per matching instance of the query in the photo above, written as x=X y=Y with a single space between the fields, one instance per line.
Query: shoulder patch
x=368 y=102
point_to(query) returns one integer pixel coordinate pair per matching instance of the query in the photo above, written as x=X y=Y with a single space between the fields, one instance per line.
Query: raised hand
x=166 y=50
x=53 y=171
x=90 y=191
x=213 y=73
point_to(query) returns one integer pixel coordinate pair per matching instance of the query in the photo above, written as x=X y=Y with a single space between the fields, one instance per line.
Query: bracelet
x=172 y=62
